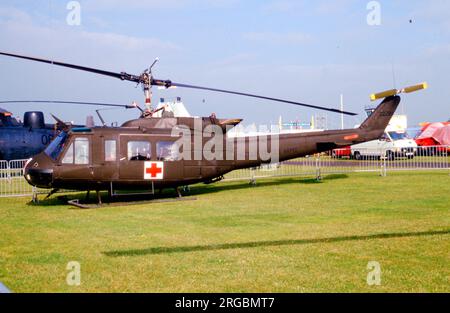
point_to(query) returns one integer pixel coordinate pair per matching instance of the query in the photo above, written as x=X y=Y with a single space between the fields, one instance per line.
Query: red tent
x=442 y=135
x=434 y=134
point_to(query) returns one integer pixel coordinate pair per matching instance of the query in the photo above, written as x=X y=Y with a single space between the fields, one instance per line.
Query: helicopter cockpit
x=6 y=119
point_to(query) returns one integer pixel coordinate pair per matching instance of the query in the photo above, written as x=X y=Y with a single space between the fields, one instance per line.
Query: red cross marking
x=154 y=170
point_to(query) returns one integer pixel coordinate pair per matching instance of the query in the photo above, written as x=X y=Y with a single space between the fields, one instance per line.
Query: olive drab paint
x=146 y=165
x=168 y=151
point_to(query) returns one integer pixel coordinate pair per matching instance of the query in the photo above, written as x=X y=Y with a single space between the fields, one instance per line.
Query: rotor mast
x=146 y=80
x=148 y=94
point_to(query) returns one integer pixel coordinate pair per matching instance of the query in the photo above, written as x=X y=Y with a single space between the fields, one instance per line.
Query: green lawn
x=283 y=235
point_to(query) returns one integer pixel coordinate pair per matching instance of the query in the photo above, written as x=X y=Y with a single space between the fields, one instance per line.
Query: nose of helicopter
x=38 y=172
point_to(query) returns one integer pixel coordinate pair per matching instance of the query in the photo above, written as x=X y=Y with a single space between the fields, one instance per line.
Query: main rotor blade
x=126 y=106
x=169 y=83
x=121 y=76
x=165 y=83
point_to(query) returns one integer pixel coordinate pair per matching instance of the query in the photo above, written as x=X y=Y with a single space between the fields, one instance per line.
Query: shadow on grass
x=277 y=243
x=116 y=201
x=265 y=182
x=197 y=189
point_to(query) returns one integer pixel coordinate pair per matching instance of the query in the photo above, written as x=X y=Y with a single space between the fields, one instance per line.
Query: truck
x=393 y=144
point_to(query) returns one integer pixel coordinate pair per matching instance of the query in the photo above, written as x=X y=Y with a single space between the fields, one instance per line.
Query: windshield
x=398 y=136
x=55 y=147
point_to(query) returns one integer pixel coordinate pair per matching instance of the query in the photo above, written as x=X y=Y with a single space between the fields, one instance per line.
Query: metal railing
x=379 y=161
x=13 y=184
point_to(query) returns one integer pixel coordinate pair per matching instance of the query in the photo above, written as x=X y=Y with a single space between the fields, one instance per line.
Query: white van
x=393 y=144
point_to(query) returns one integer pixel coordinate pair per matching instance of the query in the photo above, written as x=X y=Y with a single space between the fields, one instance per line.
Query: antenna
x=153 y=64
x=100 y=117
x=394 y=80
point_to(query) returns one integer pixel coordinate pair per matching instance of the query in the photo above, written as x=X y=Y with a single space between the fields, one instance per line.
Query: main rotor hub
x=145 y=79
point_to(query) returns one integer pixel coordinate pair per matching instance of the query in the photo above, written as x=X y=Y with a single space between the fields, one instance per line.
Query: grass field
x=284 y=235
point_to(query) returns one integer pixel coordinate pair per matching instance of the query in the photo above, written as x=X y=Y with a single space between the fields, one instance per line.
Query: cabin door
x=106 y=159
x=76 y=161
x=168 y=156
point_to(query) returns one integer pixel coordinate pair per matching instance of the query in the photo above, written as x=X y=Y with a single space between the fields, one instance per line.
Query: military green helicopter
x=168 y=152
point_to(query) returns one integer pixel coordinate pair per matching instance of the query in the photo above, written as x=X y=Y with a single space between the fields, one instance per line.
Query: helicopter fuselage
x=171 y=152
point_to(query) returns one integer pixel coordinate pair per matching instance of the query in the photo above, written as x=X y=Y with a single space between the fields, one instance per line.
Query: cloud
x=20 y=31
x=306 y=7
x=98 y=22
x=106 y=5
x=333 y=7
x=8 y=14
x=236 y=59
x=26 y=34
x=281 y=6
x=291 y=38
x=438 y=50
x=434 y=11
x=126 y=42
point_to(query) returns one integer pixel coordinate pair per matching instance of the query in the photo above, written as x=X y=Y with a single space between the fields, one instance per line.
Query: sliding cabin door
x=135 y=151
x=106 y=158
x=150 y=158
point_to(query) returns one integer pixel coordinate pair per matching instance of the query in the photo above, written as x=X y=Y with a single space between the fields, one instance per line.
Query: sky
x=306 y=51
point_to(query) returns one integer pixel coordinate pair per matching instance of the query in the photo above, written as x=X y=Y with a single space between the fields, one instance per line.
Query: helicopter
x=152 y=153
x=21 y=140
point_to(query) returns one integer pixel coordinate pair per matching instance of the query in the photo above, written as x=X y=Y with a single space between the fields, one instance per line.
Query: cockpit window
x=81 y=151
x=68 y=157
x=78 y=152
x=56 y=146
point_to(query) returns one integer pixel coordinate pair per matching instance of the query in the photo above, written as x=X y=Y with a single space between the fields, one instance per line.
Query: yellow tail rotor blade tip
x=416 y=88
x=383 y=94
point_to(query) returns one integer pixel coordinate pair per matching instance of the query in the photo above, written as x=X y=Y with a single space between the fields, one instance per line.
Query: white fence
x=380 y=161
x=13 y=184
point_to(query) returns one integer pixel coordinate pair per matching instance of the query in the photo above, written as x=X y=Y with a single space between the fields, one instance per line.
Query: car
x=340 y=153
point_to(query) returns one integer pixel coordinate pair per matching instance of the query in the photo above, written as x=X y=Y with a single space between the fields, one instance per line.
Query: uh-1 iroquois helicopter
x=168 y=152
